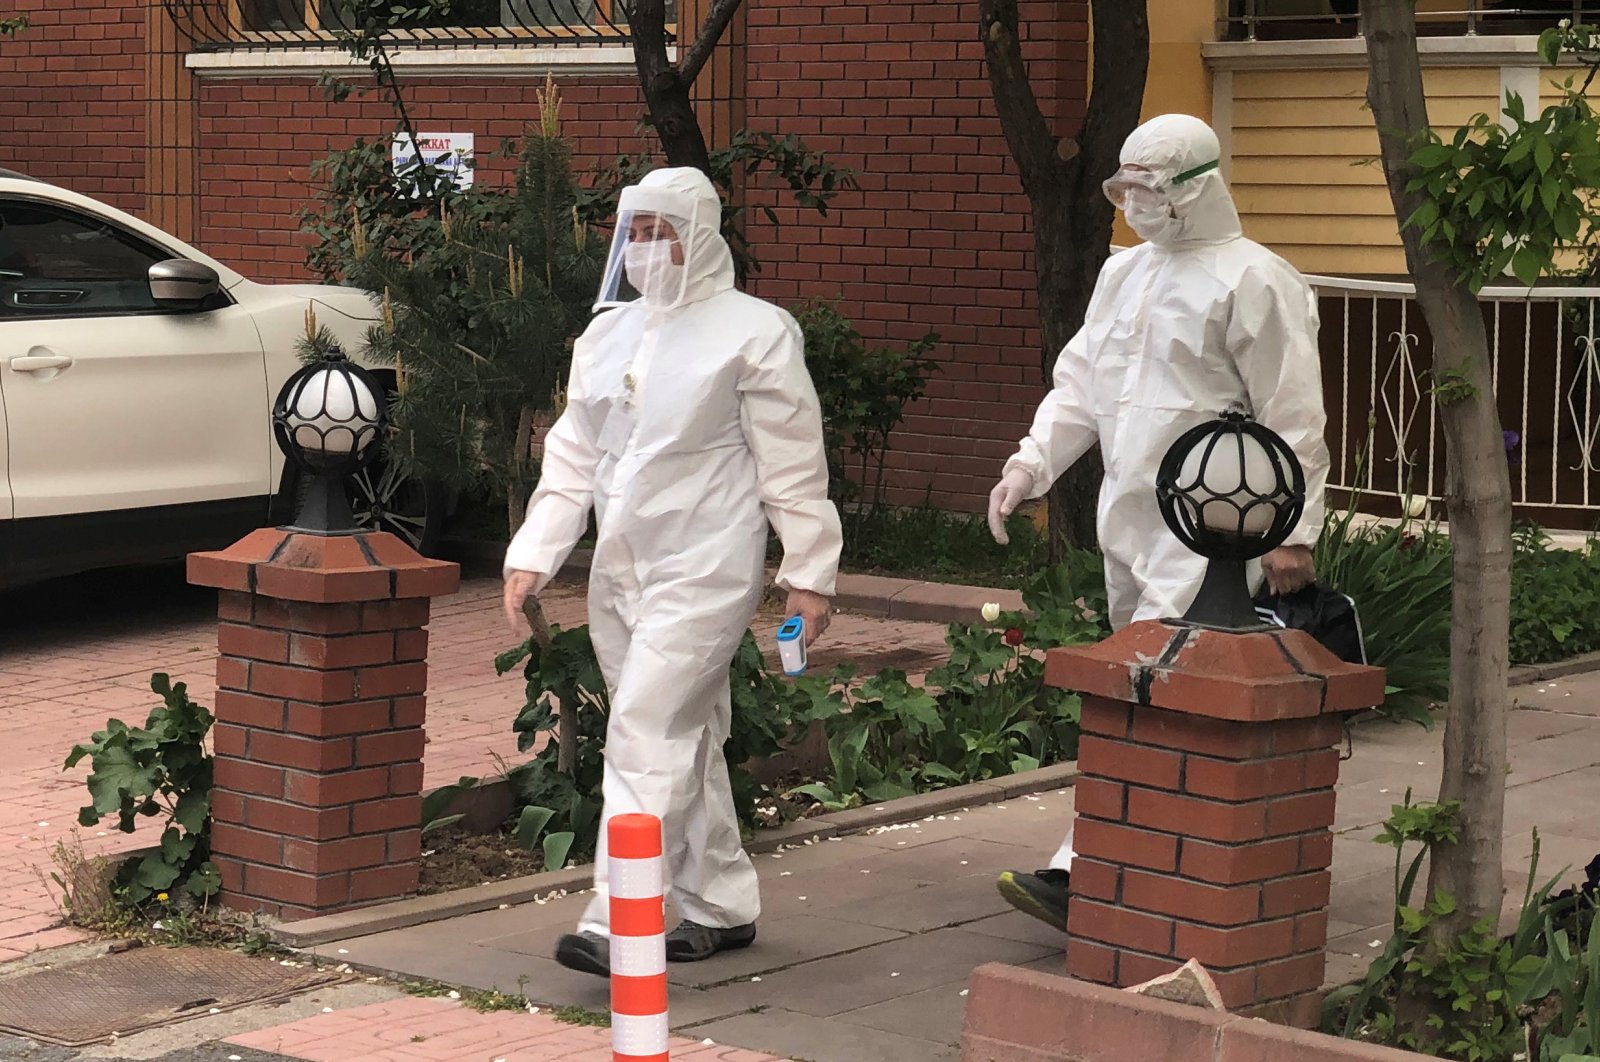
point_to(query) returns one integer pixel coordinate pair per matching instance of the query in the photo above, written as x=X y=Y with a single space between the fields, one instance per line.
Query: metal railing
x=1378 y=372
x=215 y=25
x=1251 y=19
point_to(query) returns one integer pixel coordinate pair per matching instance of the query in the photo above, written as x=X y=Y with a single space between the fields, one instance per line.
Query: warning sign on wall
x=453 y=153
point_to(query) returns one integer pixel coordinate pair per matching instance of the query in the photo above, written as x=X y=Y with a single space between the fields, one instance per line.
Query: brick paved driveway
x=75 y=652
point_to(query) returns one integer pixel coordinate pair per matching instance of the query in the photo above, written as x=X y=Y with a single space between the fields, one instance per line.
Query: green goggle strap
x=1189 y=175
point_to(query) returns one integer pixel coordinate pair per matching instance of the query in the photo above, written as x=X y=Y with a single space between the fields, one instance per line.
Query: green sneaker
x=1042 y=894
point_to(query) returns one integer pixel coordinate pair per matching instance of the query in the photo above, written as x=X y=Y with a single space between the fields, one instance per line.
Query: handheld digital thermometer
x=792 y=646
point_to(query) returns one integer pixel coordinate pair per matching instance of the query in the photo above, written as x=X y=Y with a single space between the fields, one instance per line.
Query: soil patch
x=454 y=859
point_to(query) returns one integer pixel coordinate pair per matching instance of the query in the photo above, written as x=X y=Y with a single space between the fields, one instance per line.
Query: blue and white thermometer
x=792 y=646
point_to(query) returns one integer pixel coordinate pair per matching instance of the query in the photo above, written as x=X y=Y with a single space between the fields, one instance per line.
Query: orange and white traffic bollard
x=638 y=940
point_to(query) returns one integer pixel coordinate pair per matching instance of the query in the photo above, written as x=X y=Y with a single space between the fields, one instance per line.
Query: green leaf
x=175 y=847
x=1544 y=155
x=530 y=824
x=193 y=810
x=556 y=848
x=204 y=882
x=441 y=823
x=1432 y=156
x=818 y=792
x=435 y=803
x=155 y=874
x=1527 y=265
x=117 y=774
x=1550 y=46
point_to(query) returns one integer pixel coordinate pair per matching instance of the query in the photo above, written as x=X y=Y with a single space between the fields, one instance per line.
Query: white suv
x=136 y=384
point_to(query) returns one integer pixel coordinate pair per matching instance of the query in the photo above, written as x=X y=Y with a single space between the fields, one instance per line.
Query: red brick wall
x=72 y=98
x=937 y=238
x=258 y=140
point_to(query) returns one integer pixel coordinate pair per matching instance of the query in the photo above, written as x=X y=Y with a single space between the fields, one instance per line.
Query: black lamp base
x=1223 y=603
x=325 y=509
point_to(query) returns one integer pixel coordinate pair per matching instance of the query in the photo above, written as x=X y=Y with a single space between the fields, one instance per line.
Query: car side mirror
x=182 y=284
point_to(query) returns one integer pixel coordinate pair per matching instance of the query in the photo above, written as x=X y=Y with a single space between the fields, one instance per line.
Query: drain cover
x=86 y=1002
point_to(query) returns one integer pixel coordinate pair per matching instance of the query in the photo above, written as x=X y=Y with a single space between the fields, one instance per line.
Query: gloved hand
x=519 y=587
x=1009 y=493
x=1289 y=569
x=814 y=609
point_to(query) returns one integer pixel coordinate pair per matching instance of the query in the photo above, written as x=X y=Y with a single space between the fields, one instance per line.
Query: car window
x=56 y=262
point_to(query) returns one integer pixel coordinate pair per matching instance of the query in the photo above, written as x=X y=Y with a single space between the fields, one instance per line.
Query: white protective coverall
x=691 y=423
x=1192 y=323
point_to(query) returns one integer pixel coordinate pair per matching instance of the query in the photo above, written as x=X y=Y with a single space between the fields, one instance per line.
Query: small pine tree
x=483 y=293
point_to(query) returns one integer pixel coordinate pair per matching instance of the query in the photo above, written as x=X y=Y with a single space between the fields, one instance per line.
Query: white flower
x=454 y=994
x=157 y=925
x=1416 y=508
x=991 y=611
x=1565 y=23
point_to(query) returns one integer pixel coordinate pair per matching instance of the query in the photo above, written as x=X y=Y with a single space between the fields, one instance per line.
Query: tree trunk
x=666 y=87
x=1062 y=177
x=1478 y=502
x=1074 y=499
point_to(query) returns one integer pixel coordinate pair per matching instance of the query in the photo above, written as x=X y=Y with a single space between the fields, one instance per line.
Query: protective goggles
x=1133 y=183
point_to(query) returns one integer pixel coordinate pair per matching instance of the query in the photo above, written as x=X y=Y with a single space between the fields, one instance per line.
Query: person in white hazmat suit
x=690 y=424
x=1195 y=322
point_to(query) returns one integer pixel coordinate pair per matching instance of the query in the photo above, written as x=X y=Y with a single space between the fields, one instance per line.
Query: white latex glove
x=1009 y=493
x=519 y=587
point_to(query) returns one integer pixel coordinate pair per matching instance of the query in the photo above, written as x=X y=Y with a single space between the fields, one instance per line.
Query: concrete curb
x=403 y=914
x=1530 y=674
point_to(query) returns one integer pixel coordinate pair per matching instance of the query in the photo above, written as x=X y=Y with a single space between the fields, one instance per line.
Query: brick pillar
x=321 y=675
x=1205 y=805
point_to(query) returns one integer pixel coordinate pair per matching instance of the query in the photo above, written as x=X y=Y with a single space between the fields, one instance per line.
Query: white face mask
x=651 y=270
x=1150 y=215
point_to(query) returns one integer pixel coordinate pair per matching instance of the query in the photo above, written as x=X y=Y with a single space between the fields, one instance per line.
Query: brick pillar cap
x=1252 y=678
x=324 y=569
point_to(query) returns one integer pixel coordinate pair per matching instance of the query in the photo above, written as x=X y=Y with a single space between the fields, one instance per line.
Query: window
x=59 y=263
x=1309 y=19
x=487 y=17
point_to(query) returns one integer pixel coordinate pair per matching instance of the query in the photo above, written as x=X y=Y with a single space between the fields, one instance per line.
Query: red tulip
x=1014 y=636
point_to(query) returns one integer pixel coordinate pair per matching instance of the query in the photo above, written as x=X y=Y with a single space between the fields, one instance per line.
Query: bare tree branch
x=1028 y=134
x=666 y=92
x=648 y=21
x=1122 y=54
x=692 y=62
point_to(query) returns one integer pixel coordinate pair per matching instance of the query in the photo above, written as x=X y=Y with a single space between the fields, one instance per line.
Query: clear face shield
x=650 y=252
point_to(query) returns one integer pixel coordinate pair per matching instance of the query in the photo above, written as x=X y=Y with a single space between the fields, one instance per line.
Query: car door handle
x=40 y=363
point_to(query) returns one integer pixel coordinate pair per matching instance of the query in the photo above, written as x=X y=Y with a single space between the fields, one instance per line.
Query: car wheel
x=384 y=498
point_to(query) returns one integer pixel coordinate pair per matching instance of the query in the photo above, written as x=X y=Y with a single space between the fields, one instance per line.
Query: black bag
x=1327 y=615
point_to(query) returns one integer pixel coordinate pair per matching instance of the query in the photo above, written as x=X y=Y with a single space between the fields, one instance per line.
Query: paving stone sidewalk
x=867 y=941
x=75 y=652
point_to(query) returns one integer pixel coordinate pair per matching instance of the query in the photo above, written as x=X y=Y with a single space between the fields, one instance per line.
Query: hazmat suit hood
x=1173 y=147
x=687 y=198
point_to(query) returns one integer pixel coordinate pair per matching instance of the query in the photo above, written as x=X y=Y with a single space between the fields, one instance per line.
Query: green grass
x=597 y=1019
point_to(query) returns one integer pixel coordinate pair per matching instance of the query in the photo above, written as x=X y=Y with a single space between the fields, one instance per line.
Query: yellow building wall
x=1304 y=165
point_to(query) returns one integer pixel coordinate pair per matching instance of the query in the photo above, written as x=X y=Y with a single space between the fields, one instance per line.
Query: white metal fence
x=1378 y=371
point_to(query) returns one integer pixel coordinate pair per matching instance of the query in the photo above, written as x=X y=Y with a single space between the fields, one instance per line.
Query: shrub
x=1555 y=599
